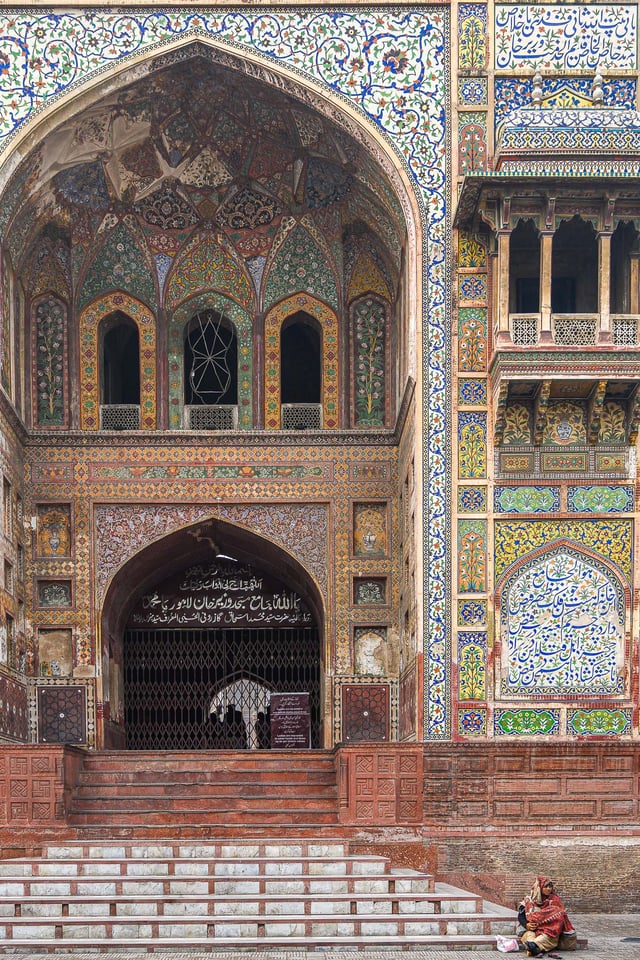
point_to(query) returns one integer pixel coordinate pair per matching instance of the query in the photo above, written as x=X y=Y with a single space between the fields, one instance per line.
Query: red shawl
x=548 y=913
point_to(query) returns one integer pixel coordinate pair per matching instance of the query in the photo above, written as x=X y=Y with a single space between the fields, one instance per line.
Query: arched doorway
x=204 y=632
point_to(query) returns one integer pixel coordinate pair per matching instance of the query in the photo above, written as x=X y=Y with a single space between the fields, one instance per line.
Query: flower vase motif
x=370 y=533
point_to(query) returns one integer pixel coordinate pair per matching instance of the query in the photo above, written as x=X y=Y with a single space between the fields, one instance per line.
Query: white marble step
x=433 y=904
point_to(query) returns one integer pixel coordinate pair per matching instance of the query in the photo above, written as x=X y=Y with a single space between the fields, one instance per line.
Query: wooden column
x=634 y=280
x=546 y=251
x=604 y=286
x=503 y=333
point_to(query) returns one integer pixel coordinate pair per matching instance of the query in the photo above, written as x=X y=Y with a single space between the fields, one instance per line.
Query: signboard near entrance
x=220 y=594
x=290 y=721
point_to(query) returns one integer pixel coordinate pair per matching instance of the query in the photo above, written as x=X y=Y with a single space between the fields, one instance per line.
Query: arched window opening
x=301 y=373
x=625 y=290
x=524 y=284
x=524 y=268
x=211 y=373
x=239 y=716
x=574 y=283
x=120 y=373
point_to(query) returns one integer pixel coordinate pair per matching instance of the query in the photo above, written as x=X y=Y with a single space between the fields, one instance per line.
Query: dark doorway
x=175 y=679
x=120 y=360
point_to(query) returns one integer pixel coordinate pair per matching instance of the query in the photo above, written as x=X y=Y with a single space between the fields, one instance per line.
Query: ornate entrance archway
x=200 y=631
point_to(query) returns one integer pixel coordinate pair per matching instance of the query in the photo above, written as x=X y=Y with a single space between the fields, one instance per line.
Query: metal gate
x=180 y=684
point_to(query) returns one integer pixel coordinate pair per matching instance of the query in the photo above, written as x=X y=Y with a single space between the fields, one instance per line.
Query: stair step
x=202 y=884
x=283 y=941
x=233 y=818
x=429 y=904
x=176 y=866
x=112 y=894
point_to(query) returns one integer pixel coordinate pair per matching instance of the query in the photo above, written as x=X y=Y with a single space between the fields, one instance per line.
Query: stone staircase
x=248 y=790
x=231 y=894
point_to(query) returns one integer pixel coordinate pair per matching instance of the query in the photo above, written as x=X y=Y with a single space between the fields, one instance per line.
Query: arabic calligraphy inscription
x=563 y=626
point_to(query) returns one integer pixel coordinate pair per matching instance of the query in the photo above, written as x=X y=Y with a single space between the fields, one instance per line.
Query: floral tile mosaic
x=389 y=64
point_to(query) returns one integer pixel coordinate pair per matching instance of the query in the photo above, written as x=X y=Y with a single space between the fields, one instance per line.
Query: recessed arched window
x=119 y=373
x=211 y=372
x=301 y=372
x=574 y=268
x=624 y=250
x=524 y=269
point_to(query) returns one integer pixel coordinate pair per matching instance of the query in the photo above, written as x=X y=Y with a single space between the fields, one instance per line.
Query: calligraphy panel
x=562 y=624
x=221 y=593
x=566 y=37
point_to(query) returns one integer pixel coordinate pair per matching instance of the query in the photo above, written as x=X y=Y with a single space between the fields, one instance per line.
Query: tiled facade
x=463 y=520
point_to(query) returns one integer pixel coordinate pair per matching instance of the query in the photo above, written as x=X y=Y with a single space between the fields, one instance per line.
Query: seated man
x=544 y=916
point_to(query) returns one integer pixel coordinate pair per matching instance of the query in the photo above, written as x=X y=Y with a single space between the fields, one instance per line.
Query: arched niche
x=243 y=326
x=562 y=625
x=190 y=554
x=90 y=320
x=328 y=324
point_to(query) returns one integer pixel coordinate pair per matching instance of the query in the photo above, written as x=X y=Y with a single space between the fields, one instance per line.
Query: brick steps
x=152 y=816
x=230 y=895
x=226 y=789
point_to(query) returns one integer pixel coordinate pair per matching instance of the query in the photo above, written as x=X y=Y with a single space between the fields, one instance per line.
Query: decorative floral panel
x=514 y=539
x=472 y=499
x=370 y=331
x=54 y=593
x=517 y=424
x=472 y=142
x=370 y=591
x=526 y=722
x=598 y=722
x=600 y=499
x=472 y=392
x=370 y=530
x=472 y=446
x=471 y=251
x=613 y=427
x=472 y=287
x=207 y=265
x=53 y=530
x=472 y=723
x=526 y=499
x=472 y=40
x=367 y=277
x=472 y=613
x=472 y=339
x=120 y=264
x=566 y=423
x=300 y=266
x=50 y=356
x=472 y=556
x=472 y=666
x=472 y=91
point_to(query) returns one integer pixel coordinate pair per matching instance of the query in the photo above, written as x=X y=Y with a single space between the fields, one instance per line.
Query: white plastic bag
x=507 y=944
